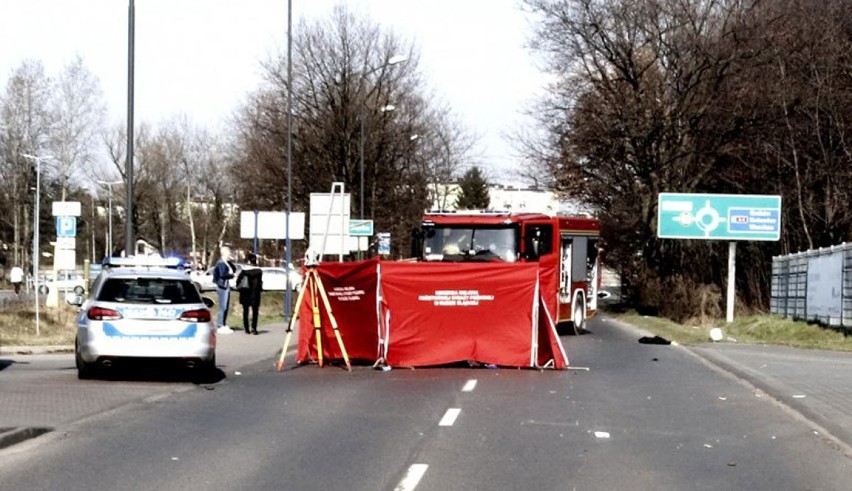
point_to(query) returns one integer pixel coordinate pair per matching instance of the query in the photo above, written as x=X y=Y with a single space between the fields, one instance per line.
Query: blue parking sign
x=66 y=226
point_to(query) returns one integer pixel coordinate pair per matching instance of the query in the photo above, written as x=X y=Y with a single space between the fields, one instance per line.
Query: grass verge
x=57 y=326
x=755 y=329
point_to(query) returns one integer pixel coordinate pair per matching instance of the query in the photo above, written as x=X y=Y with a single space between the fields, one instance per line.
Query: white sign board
x=66 y=243
x=329 y=223
x=825 y=287
x=66 y=208
x=358 y=243
x=272 y=225
x=65 y=259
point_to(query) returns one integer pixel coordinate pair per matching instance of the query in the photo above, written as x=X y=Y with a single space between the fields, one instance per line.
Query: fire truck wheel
x=579 y=317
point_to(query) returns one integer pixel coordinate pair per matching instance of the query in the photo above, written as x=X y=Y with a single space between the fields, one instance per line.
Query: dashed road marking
x=412 y=477
x=450 y=416
x=469 y=386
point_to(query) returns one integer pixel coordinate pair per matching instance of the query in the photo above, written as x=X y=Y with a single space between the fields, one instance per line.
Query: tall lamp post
x=109 y=185
x=36 y=220
x=393 y=60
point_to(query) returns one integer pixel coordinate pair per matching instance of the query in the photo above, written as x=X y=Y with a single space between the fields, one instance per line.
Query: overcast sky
x=201 y=57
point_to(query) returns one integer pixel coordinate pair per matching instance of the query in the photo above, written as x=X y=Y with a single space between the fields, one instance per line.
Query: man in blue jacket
x=222 y=274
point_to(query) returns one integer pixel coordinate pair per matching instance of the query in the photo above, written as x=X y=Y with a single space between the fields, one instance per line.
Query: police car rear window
x=149 y=290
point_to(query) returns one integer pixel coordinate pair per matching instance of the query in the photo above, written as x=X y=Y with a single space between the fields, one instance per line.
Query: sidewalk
x=41 y=391
x=815 y=383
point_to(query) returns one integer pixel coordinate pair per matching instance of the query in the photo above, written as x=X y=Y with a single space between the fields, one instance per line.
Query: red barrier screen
x=351 y=289
x=443 y=313
x=435 y=313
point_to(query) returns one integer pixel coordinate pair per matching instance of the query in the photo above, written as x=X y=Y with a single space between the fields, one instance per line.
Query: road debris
x=799 y=396
x=602 y=434
x=654 y=340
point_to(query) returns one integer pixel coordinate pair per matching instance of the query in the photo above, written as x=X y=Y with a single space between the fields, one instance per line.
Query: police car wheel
x=85 y=371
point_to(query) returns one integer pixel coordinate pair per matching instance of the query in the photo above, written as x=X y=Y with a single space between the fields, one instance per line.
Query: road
x=641 y=417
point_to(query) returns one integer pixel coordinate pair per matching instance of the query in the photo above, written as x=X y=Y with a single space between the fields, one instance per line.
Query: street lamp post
x=384 y=109
x=109 y=185
x=393 y=60
x=36 y=220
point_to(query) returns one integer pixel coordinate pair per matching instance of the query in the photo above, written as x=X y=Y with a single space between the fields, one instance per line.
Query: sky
x=200 y=58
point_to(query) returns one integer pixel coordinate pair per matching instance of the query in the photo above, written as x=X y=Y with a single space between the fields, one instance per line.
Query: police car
x=142 y=308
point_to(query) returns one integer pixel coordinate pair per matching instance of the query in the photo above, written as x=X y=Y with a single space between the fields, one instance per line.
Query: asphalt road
x=641 y=417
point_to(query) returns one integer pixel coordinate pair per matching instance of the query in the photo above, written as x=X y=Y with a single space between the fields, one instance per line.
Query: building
x=507 y=198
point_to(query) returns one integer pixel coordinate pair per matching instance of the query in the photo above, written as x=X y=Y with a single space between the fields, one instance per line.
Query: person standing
x=16 y=276
x=250 y=285
x=222 y=274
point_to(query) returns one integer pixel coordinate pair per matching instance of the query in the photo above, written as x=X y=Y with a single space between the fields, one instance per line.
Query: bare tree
x=343 y=87
x=25 y=128
x=78 y=113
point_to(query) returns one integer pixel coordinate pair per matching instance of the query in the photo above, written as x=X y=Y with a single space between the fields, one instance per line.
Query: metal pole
x=361 y=193
x=35 y=242
x=255 y=232
x=129 y=247
x=288 y=253
x=361 y=146
x=732 y=273
x=109 y=245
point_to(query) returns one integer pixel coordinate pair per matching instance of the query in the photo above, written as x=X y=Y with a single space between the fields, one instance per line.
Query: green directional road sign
x=718 y=216
x=360 y=228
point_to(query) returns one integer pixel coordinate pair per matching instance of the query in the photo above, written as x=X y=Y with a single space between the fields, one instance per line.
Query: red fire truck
x=566 y=249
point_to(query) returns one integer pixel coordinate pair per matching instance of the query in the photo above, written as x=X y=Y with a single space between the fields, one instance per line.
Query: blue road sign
x=360 y=228
x=66 y=226
x=718 y=216
x=384 y=245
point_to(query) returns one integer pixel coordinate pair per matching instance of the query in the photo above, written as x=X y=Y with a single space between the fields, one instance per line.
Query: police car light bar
x=143 y=261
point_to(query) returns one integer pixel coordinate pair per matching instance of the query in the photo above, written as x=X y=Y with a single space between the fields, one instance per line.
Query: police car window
x=149 y=290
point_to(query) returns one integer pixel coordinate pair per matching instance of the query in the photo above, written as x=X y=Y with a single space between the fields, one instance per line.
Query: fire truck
x=565 y=247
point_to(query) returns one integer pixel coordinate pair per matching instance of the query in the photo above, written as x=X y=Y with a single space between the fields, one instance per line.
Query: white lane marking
x=450 y=416
x=412 y=477
x=469 y=386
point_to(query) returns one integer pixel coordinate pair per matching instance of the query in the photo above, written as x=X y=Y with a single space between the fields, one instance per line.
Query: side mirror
x=208 y=302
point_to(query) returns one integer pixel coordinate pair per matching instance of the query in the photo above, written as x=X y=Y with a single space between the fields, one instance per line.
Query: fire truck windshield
x=444 y=243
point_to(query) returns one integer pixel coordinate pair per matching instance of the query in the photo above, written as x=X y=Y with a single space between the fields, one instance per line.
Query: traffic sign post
x=384 y=243
x=718 y=216
x=360 y=228
x=730 y=217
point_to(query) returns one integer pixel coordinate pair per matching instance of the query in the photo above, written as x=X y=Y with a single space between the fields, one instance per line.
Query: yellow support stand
x=317 y=289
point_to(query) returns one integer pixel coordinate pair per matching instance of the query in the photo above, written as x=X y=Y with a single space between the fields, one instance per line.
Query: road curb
x=13 y=436
x=834 y=431
x=36 y=350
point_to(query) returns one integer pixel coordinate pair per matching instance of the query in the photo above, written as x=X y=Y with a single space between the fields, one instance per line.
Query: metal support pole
x=361 y=193
x=288 y=258
x=109 y=245
x=361 y=152
x=35 y=243
x=732 y=274
x=255 y=232
x=129 y=240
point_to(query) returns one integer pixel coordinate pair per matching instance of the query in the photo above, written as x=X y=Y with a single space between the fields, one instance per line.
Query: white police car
x=143 y=309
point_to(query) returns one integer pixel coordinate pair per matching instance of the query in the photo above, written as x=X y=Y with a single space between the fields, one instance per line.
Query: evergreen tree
x=474 y=191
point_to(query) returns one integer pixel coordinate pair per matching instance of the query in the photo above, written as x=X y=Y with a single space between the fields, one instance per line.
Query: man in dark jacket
x=222 y=274
x=250 y=285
